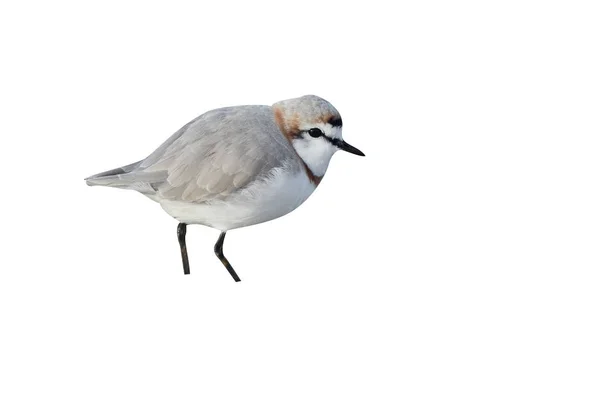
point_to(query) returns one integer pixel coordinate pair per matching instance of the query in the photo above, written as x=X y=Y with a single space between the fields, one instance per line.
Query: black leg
x=219 y=253
x=181 y=230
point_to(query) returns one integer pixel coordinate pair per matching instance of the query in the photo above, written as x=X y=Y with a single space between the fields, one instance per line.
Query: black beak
x=350 y=149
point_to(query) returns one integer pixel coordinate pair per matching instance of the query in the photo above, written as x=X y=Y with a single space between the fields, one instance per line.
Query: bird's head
x=314 y=127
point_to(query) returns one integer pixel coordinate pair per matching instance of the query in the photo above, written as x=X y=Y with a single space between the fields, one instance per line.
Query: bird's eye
x=315 y=132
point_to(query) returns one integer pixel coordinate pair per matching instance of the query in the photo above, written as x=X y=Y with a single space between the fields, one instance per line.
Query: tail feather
x=129 y=177
x=115 y=177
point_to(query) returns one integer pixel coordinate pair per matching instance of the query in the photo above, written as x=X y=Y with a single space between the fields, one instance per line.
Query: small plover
x=237 y=166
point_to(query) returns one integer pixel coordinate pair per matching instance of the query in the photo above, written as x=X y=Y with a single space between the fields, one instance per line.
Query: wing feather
x=216 y=155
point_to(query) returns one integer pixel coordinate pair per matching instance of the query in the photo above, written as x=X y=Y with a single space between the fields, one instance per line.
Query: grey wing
x=215 y=155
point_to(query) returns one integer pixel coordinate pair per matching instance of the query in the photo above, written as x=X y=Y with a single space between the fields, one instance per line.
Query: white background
x=458 y=260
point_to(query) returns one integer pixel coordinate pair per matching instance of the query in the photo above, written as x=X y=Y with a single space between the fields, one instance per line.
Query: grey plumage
x=211 y=157
x=237 y=166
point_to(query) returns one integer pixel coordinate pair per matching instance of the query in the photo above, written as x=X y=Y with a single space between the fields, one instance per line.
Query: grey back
x=213 y=156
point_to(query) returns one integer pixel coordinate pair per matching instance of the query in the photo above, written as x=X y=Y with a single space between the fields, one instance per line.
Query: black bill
x=349 y=148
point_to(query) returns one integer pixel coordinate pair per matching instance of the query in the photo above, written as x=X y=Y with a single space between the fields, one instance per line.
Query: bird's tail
x=117 y=177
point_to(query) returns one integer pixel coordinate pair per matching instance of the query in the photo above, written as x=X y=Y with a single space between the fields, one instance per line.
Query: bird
x=237 y=166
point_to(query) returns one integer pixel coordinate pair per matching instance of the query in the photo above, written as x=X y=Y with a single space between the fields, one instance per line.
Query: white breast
x=283 y=191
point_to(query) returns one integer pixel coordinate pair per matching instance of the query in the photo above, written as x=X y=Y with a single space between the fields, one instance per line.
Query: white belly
x=260 y=202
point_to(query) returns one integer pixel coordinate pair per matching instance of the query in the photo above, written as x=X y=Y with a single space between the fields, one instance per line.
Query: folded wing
x=213 y=156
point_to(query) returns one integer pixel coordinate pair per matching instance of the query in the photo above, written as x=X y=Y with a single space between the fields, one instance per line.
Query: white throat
x=315 y=153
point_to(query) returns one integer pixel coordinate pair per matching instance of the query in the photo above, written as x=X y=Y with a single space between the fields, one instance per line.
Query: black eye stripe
x=334 y=141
